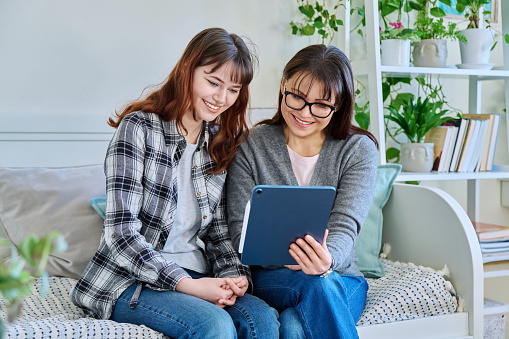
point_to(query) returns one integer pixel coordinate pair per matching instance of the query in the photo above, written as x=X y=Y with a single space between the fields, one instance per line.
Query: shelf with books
x=494 y=244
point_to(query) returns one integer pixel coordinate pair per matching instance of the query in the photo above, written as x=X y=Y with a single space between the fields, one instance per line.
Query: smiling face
x=213 y=92
x=301 y=123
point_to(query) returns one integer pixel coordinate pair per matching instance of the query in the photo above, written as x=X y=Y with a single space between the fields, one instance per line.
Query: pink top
x=303 y=167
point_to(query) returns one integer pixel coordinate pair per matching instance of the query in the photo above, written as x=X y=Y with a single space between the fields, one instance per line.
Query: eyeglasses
x=317 y=109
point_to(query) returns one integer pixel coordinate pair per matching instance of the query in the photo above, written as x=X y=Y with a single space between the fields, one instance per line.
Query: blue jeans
x=180 y=315
x=310 y=306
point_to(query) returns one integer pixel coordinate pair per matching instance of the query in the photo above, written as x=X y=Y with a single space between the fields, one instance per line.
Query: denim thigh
x=175 y=314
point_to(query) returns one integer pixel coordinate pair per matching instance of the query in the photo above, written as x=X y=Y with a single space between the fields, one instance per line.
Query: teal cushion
x=369 y=241
x=99 y=205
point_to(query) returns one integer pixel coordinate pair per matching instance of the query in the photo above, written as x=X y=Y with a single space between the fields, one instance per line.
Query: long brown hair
x=212 y=46
x=330 y=67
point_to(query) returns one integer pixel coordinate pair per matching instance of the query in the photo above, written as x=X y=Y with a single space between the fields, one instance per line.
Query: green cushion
x=99 y=205
x=369 y=241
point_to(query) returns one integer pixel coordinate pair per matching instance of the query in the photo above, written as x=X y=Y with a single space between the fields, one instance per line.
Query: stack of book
x=465 y=144
x=494 y=241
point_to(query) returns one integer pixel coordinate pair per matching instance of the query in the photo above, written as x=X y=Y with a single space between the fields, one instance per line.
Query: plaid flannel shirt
x=141 y=192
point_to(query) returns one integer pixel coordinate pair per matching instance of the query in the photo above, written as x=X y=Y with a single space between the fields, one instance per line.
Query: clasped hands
x=219 y=291
x=312 y=258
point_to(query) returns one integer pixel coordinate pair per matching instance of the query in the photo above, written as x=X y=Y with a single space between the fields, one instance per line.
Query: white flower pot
x=476 y=51
x=430 y=53
x=395 y=52
x=417 y=157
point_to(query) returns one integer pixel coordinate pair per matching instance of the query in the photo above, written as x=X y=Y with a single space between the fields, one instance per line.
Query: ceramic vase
x=476 y=51
x=395 y=52
x=430 y=53
x=417 y=157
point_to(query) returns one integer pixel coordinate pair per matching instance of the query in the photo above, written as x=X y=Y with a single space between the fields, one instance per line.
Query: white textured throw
x=405 y=292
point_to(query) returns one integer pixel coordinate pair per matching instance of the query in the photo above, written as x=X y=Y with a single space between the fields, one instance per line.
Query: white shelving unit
x=372 y=68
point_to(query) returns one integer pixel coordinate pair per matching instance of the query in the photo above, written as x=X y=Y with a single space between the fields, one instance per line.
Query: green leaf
x=460 y=7
x=437 y=12
x=295 y=29
x=446 y=2
x=307 y=10
x=386 y=90
x=318 y=23
x=392 y=153
x=307 y=30
x=416 y=6
x=362 y=120
x=506 y=38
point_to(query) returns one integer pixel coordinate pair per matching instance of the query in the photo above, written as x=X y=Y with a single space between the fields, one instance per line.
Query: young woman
x=311 y=141
x=166 y=259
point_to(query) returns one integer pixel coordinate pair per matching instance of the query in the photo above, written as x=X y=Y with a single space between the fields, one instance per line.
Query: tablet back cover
x=279 y=215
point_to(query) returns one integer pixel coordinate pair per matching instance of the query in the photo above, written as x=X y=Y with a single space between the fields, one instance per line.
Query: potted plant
x=414 y=121
x=475 y=51
x=26 y=262
x=394 y=38
x=431 y=51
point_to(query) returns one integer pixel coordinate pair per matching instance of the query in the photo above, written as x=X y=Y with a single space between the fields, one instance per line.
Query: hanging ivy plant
x=319 y=19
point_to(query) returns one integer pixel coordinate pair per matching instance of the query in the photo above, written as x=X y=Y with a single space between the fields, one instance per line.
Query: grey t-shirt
x=183 y=246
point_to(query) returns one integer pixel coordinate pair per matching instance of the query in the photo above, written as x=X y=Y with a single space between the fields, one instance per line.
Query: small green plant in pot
x=26 y=262
x=475 y=51
x=394 y=38
x=431 y=51
x=414 y=120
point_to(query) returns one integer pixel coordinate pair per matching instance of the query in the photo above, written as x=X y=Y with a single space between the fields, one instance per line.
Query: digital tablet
x=277 y=215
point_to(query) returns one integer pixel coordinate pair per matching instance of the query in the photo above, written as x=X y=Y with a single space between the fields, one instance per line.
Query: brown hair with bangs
x=212 y=46
x=331 y=68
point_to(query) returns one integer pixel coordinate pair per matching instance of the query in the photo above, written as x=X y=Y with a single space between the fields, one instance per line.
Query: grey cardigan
x=349 y=165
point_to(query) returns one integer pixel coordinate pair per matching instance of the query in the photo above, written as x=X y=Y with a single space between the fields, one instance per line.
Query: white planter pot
x=430 y=53
x=476 y=51
x=395 y=52
x=417 y=157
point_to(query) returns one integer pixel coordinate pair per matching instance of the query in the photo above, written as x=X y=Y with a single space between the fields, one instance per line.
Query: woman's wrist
x=329 y=270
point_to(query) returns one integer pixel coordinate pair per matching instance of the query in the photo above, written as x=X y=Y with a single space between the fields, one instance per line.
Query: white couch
x=425 y=228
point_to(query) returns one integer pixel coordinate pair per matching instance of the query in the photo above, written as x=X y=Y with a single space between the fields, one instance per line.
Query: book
x=495 y=245
x=439 y=136
x=450 y=149
x=490 y=232
x=277 y=215
x=485 y=140
x=493 y=143
x=466 y=152
x=474 y=163
x=491 y=257
x=458 y=146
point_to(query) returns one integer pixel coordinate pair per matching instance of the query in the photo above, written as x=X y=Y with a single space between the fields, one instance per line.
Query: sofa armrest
x=427 y=227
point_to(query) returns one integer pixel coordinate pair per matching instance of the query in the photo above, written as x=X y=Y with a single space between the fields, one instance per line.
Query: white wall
x=90 y=57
